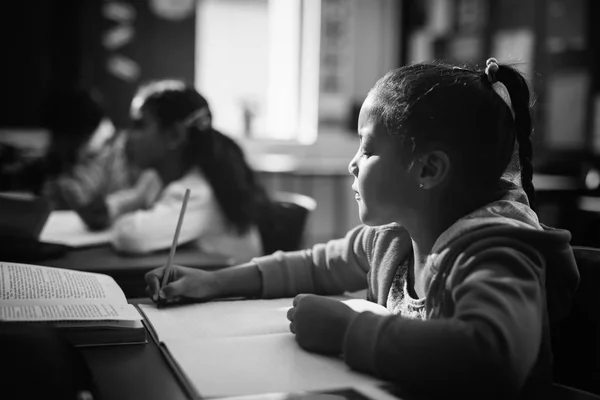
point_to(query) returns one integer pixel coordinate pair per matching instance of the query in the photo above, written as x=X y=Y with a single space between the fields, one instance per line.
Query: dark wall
x=52 y=45
x=160 y=48
x=39 y=53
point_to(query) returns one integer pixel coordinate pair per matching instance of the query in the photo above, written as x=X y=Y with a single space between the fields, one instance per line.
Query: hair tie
x=199 y=118
x=491 y=68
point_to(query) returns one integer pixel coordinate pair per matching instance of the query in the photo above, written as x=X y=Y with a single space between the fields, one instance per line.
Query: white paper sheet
x=231 y=318
x=259 y=364
x=65 y=227
x=356 y=392
x=218 y=319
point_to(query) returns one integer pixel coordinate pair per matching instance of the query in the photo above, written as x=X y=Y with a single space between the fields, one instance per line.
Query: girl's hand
x=319 y=323
x=139 y=197
x=184 y=282
x=94 y=213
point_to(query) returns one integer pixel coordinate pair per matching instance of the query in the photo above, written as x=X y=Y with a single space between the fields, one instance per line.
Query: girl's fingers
x=297 y=299
x=152 y=279
x=290 y=314
x=175 y=288
x=154 y=287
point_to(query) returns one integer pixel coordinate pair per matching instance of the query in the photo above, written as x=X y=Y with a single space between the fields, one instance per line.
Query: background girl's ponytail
x=521 y=100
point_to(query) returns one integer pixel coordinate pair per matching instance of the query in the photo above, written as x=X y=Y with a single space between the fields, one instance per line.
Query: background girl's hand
x=184 y=282
x=148 y=187
x=319 y=323
x=94 y=213
x=141 y=196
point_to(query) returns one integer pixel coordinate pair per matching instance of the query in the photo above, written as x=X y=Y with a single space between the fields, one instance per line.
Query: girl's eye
x=366 y=153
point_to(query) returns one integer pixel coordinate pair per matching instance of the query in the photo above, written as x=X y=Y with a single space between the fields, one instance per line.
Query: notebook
x=244 y=347
x=349 y=393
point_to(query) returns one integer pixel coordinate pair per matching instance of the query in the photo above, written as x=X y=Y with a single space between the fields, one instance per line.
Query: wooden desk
x=129 y=271
x=134 y=372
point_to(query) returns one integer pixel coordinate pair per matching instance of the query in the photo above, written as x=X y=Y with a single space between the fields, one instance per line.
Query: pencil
x=167 y=271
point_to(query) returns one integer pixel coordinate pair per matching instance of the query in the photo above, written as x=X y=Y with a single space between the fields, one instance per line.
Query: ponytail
x=521 y=100
x=237 y=190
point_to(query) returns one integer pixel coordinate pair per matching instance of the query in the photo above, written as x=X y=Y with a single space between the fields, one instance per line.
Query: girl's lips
x=356 y=194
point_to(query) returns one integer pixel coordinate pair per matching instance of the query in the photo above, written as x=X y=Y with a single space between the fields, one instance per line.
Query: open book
x=244 y=347
x=90 y=309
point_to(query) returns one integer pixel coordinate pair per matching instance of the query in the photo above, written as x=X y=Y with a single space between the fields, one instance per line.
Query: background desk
x=129 y=271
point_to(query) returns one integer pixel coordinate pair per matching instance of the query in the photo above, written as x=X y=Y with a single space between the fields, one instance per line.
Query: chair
x=576 y=341
x=283 y=226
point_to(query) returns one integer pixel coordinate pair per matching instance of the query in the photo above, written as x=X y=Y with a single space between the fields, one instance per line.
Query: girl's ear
x=434 y=168
x=177 y=136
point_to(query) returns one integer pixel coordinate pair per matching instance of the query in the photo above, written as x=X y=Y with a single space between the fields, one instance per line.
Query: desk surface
x=133 y=372
x=104 y=259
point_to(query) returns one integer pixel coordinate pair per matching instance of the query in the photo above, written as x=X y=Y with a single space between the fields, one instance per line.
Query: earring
x=421 y=185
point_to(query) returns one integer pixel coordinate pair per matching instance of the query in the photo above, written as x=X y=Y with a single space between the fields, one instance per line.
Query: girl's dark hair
x=220 y=158
x=71 y=117
x=458 y=109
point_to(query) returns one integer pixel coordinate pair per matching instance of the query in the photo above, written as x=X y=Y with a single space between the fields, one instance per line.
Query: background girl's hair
x=459 y=110
x=220 y=158
x=456 y=108
x=71 y=116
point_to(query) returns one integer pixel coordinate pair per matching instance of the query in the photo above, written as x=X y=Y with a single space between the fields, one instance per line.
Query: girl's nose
x=353 y=167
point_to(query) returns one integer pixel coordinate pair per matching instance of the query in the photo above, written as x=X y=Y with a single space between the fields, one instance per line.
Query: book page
x=259 y=364
x=24 y=284
x=66 y=227
x=69 y=312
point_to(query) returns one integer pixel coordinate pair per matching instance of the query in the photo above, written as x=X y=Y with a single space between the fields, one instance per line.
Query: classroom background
x=286 y=80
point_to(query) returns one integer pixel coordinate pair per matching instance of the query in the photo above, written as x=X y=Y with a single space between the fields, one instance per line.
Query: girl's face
x=382 y=184
x=146 y=142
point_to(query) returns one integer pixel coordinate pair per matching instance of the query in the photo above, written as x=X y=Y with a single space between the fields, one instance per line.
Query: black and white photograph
x=300 y=200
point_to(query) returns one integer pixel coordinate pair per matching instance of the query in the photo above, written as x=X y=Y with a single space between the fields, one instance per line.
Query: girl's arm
x=147 y=230
x=333 y=268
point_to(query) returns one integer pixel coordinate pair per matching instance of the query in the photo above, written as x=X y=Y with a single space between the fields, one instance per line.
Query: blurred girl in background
x=173 y=143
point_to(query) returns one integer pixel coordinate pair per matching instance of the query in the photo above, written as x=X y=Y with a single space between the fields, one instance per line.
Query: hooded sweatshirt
x=496 y=281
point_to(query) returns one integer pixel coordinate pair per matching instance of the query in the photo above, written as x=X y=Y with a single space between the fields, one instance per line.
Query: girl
x=452 y=247
x=174 y=145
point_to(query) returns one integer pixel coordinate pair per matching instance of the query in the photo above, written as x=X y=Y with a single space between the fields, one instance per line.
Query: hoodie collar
x=512 y=209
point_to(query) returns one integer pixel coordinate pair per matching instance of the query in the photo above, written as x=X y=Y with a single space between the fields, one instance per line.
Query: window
x=287 y=69
x=257 y=62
